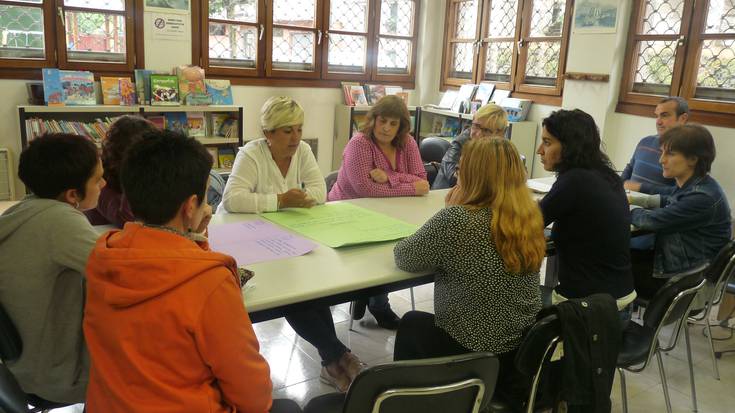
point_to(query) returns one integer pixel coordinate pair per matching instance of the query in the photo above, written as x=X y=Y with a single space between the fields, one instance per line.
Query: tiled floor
x=295 y=364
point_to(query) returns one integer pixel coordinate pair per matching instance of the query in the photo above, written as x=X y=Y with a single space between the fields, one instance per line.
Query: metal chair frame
x=431 y=390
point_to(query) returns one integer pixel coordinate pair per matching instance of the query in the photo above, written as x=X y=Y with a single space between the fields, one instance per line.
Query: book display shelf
x=218 y=127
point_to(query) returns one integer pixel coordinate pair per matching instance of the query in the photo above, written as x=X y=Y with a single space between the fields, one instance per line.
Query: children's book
x=448 y=99
x=218 y=122
x=127 y=92
x=483 y=93
x=403 y=96
x=346 y=92
x=53 y=94
x=159 y=121
x=464 y=96
x=164 y=90
x=357 y=93
x=143 y=86
x=78 y=87
x=176 y=121
x=499 y=96
x=195 y=124
x=111 y=90
x=374 y=93
x=226 y=157
x=219 y=90
x=191 y=83
x=393 y=90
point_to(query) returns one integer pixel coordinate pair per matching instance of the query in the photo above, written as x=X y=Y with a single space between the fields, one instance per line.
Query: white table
x=331 y=276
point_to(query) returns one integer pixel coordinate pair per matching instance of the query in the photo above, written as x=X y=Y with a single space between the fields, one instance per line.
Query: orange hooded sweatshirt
x=167 y=330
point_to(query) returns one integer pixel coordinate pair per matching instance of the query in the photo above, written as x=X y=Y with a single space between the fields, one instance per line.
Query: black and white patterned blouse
x=476 y=300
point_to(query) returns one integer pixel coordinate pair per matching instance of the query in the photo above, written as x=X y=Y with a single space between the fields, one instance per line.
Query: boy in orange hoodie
x=164 y=320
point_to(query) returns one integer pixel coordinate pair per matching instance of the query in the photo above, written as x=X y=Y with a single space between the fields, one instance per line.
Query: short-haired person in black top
x=589 y=209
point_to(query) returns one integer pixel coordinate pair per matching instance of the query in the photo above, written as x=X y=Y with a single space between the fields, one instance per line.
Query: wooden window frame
x=691 y=36
x=266 y=75
x=539 y=94
x=55 y=46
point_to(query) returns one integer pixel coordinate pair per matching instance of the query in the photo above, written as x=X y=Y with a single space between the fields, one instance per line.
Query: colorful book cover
x=357 y=93
x=195 y=124
x=143 y=86
x=484 y=91
x=176 y=121
x=191 y=82
x=226 y=157
x=346 y=91
x=158 y=121
x=164 y=90
x=127 y=92
x=110 y=90
x=220 y=91
x=78 y=87
x=218 y=120
x=374 y=93
x=53 y=94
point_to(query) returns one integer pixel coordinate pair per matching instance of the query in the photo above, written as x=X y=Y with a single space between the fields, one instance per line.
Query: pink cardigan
x=362 y=155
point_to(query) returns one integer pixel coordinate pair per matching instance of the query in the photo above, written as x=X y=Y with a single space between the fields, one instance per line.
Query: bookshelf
x=522 y=134
x=92 y=121
x=347 y=120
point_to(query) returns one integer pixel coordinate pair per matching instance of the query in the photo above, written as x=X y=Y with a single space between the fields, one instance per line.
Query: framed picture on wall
x=595 y=16
x=170 y=6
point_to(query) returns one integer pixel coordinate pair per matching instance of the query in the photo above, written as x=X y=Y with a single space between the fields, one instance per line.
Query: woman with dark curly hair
x=589 y=209
x=113 y=208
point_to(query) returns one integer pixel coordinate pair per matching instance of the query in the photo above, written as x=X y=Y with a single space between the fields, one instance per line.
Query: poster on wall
x=169 y=6
x=595 y=16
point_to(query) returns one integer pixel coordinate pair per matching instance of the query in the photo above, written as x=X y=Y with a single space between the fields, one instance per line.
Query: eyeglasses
x=484 y=131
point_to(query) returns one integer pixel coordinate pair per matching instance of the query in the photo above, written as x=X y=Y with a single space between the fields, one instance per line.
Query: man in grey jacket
x=44 y=243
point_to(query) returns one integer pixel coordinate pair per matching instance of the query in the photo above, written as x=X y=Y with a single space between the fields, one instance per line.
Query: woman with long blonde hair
x=486 y=249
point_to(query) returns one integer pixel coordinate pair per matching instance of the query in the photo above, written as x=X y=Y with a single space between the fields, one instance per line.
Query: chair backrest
x=433 y=149
x=721 y=270
x=431 y=172
x=536 y=350
x=463 y=383
x=12 y=397
x=330 y=179
x=11 y=345
x=672 y=303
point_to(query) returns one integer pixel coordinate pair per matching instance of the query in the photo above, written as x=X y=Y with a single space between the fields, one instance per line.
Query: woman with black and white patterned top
x=486 y=248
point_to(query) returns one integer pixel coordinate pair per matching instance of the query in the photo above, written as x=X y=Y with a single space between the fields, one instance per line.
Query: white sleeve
x=240 y=191
x=312 y=177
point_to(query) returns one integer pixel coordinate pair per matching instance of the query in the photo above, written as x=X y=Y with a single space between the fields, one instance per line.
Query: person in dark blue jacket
x=691 y=220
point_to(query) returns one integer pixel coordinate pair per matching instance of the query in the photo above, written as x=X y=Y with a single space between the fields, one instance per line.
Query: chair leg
x=623 y=390
x=664 y=384
x=712 y=351
x=413 y=301
x=352 y=320
x=691 y=367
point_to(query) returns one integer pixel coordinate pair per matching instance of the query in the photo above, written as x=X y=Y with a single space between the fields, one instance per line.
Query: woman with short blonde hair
x=486 y=249
x=490 y=121
x=280 y=171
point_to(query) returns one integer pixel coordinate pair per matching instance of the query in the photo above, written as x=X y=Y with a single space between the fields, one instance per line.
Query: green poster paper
x=341 y=224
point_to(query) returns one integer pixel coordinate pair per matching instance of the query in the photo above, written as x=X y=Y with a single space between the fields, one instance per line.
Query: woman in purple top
x=113 y=207
x=382 y=160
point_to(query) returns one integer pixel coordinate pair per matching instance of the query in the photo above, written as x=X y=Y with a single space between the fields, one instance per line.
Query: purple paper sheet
x=257 y=241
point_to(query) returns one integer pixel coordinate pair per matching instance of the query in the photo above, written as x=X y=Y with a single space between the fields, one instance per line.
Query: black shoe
x=386 y=319
x=358 y=309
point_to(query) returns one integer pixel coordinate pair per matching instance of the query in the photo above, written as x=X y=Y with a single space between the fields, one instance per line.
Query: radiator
x=6 y=175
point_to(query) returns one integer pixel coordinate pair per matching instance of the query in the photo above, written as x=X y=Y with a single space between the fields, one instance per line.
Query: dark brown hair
x=691 y=140
x=124 y=132
x=390 y=106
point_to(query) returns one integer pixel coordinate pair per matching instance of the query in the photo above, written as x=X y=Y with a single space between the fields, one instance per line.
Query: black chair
x=718 y=275
x=432 y=151
x=669 y=307
x=463 y=383
x=533 y=357
x=11 y=347
x=330 y=179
